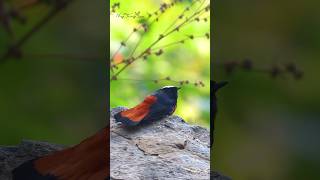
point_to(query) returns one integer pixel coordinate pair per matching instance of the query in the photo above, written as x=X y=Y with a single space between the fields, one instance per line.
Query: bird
x=154 y=107
x=213 y=101
x=88 y=160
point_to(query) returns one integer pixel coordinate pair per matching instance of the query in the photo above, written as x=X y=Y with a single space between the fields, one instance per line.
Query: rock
x=12 y=156
x=165 y=149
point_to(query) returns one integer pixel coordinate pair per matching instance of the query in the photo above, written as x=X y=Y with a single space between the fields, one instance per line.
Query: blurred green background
x=268 y=128
x=188 y=61
x=58 y=99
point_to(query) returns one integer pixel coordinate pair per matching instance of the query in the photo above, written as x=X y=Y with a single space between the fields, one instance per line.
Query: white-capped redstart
x=154 y=107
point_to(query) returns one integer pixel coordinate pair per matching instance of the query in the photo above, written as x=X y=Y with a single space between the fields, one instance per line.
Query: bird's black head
x=216 y=86
x=171 y=91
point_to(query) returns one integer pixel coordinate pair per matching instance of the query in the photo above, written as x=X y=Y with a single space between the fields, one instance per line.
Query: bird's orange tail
x=87 y=160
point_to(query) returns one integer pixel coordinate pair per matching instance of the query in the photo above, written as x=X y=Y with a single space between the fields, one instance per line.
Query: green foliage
x=267 y=128
x=180 y=58
x=54 y=91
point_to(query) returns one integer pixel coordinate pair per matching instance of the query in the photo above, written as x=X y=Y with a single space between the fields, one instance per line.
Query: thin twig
x=274 y=71
x=158 y=13
x=181 y=14
x=181 y=41
x=140 y=39
x=122 y=44
x=169 y=79
x=177 y=42
x=14 y=50
x=133 y=59
x=84 y=57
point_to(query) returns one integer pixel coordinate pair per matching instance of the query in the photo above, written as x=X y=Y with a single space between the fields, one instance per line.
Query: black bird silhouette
x=215 y=87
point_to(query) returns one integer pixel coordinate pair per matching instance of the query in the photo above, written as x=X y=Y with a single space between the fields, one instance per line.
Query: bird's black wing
x=157 y=111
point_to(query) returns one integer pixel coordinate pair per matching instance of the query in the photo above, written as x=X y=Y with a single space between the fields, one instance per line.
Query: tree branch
x=14 y=50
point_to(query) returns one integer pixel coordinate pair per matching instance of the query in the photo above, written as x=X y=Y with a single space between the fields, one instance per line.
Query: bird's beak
x=219 y=85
